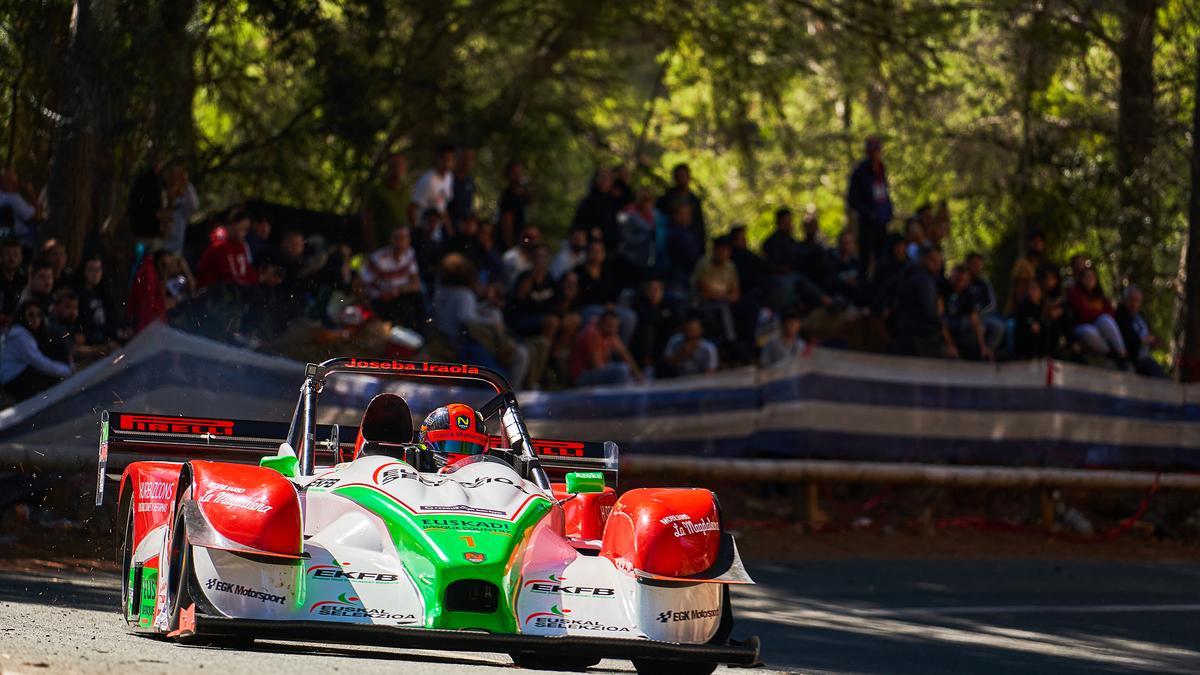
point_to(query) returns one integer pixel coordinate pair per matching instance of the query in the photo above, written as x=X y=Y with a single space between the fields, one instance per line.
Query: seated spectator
x=466 y=243
x=55 y=253
x=638 y=224
x=688 y=352
x=599 y=290
x=1095 y=327
x=656 y=322
x=300 y=268
x=716 y=284
x=227 y=258
x=599 y=357
x=681 y=193
x=1136 y=333
x=984 y=299
x=24 y=369
x=532 y=310
x=475 y=334
x=258 y=239
x=844 y=261
x=681 y=250
x=13 y=278
x=1037 y=325
x=787 y=344
x=1025 y=270
x=962 y=318
x=64 y=335
x=163 y=281
x=571 y=255
x=917 y=325
x=40 y=288
x=97 y=312
x=393 y=282
x=519 y=259
x=494 y=266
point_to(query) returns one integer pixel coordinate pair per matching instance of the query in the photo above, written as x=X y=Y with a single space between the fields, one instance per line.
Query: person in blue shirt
x=24 y=369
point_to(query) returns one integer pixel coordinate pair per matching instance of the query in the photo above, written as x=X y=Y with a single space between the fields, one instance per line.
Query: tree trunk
x=1136 y=127
x=1190 y=362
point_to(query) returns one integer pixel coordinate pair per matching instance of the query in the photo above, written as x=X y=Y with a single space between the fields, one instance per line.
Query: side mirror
x=582 y=482
x=285 y=462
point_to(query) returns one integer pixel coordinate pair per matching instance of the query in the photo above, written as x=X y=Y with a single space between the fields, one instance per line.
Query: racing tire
x=183 y=590
x=724 y=630
x=534 y=661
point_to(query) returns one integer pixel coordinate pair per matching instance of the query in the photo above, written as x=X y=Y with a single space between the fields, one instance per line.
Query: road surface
x=868 y=616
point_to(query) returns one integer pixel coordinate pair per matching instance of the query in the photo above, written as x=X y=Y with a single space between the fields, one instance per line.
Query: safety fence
x=826 y=404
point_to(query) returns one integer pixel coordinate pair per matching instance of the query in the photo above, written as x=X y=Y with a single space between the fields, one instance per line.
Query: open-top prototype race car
x=359 y=536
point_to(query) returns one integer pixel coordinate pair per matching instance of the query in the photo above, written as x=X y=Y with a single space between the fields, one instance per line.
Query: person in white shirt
x=434 y=188
x=787 y=344
x=393 y=281
x=181 y=195
x=572 y=254
x=519 y=259
x=24 y=369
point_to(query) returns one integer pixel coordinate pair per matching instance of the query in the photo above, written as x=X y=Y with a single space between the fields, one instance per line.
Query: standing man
x=514 y=200
x=681 y=191
x=462 y=204
x=385 y=206
x=869 y=199
x=434 y=189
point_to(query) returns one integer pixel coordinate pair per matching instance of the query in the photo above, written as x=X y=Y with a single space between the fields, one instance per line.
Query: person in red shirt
x=599 y=357
x=1095 y=326
x=227 y=259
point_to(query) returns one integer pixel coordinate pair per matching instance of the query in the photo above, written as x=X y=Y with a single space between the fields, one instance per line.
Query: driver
x=453 y=432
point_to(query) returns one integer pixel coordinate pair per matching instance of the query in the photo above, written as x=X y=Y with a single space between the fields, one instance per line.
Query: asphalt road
x=829 y=616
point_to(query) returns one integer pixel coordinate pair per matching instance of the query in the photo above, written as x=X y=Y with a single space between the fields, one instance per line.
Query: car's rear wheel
x=129 y=604
x=534 y=661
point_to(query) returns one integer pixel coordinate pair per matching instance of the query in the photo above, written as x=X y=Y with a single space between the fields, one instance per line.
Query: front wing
x=734 y=653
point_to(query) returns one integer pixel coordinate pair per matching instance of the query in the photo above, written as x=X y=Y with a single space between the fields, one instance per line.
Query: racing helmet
x=455 y=431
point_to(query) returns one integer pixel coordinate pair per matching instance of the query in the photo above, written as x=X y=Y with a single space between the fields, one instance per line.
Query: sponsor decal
x=238 y=589
x=176 y=425
x=688 y=615
x=557 y=618
x=347 y=607
x=553 y=585
x=156 y=489
x=233 y=497
x=153 y=507
x=404 y=366
x=322 y=483
x=336 y=573
x=474 y=557
x=682 y=524
x=465 y=525
x=460 y=508
x=390 y=473
x=462 y=422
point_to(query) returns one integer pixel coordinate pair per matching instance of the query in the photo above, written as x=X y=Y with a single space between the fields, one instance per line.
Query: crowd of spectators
x=637 y=289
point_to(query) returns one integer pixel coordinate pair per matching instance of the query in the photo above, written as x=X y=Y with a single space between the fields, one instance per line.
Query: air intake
x=472 y=595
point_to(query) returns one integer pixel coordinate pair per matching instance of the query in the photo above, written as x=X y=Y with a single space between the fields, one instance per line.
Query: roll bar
x=302 y=434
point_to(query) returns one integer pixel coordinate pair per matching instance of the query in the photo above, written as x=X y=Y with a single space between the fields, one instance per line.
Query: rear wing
x=127 y=437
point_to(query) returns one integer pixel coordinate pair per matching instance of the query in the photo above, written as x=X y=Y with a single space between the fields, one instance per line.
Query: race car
x=235 y=530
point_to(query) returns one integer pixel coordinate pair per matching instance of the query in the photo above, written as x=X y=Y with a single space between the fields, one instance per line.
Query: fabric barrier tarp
x=827 y=404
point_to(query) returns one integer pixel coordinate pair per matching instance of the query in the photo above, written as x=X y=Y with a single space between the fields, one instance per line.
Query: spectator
x=163 y=281
x=1136 y=333
x=494 y=267
x=149 y=213
x=24 y=369
x=598 y=210
x=519 y=259
x=812 y=261
x=983 y=298
x=258 y=240
x=599 y=357
x=716 y=284
x=462 y=203
x=681 y=192
x=466 y=243
x=622 y=192
x=1095 y=327
x=434 y=190
x=386 y=204
x=276 y=306
x=54 y=253
x=780 y=248
x=844 y=267
x=532 y=307
x=914 y=237
x=227 y=258
x=301 y=270
x=870 y=203
x=688 y=352
x=13 y=278
x=682 y=251
x=1036 y=325
x=474 y=333
x=64 y=335
x=97 y=314
x=393 y=282
x=962 y=318
x=513 y=201
x=571 y=255
x=599 y=290
x=182 y=203
x=656 y=322
x=888 y=273
x=17 y=211
x=754 y=277
x=40 y=288
x=787 y=344
x=1025 y=270
x=918 y=329
x=638 y=224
